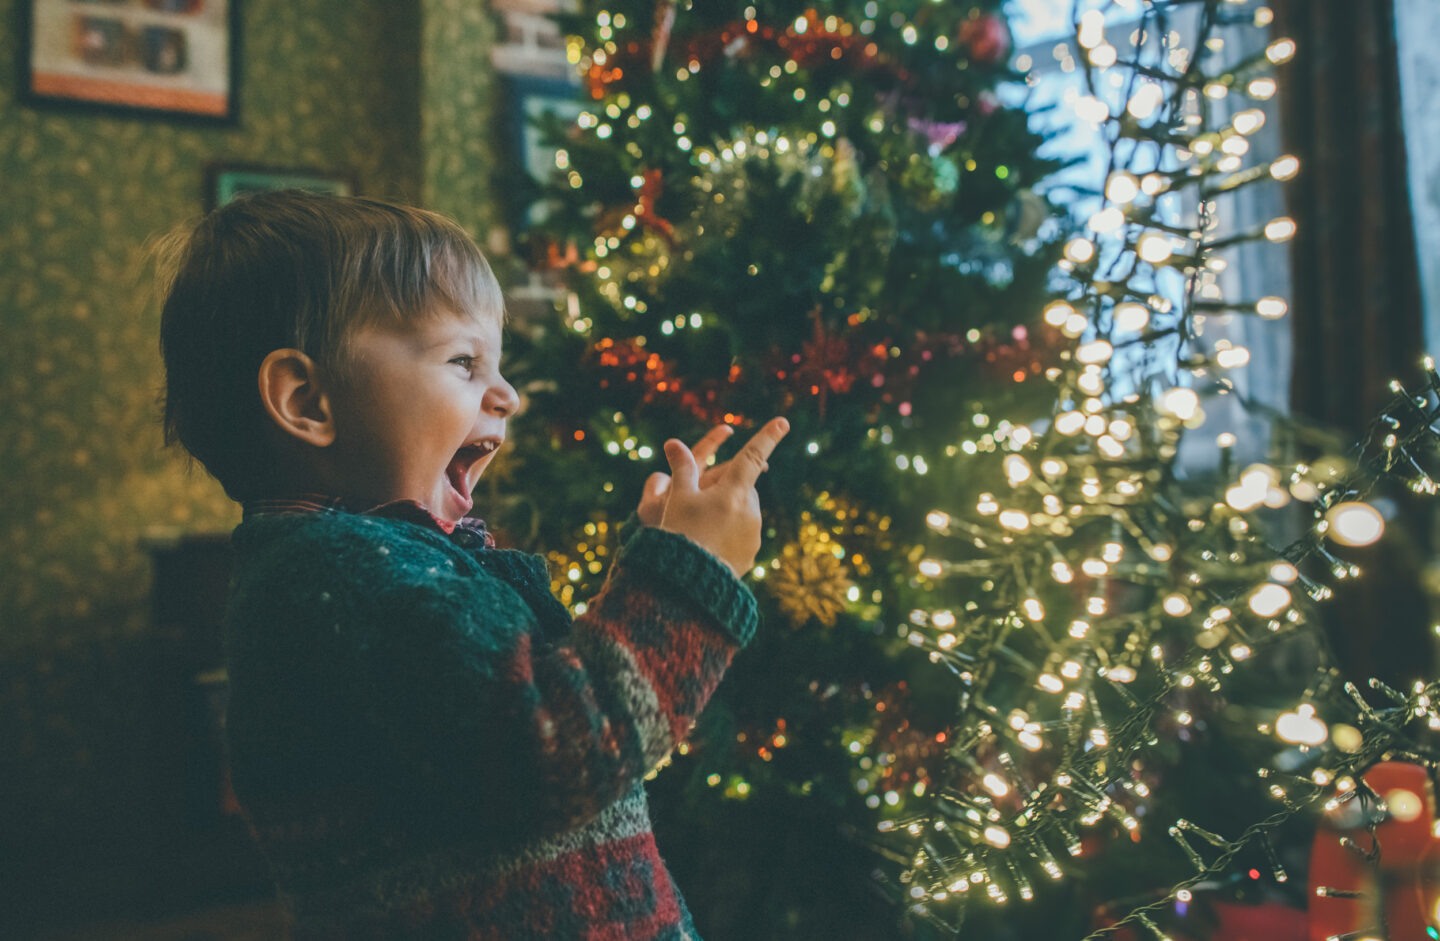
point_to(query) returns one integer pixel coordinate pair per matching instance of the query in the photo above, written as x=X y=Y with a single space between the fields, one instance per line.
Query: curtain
x=1355 y=301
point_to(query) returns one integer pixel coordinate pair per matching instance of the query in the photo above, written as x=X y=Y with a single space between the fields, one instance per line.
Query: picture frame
x=226 y=181
x=177 y=59
x=530 y=41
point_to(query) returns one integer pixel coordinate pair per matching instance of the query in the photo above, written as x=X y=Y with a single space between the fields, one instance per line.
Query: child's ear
x=293 y=395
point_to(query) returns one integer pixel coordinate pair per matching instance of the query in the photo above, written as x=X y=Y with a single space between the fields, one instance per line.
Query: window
x=1060 y=94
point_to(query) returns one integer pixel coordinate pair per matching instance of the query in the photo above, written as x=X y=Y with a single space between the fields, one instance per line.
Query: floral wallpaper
x=84 y=479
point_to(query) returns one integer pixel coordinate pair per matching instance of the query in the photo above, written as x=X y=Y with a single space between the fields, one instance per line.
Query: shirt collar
x=411 y=511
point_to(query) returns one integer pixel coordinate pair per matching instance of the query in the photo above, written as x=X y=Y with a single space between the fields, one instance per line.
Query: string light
x=1354 y=523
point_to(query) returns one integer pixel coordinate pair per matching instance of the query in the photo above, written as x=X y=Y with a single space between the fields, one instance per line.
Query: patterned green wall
x=328 y=84
x=459 y=114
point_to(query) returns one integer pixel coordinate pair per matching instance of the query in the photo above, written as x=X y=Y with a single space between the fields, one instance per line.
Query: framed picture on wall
x=225 y=181
x=174 y=58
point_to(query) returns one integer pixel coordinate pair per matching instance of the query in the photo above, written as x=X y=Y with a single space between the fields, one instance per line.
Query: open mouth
x=462 y=466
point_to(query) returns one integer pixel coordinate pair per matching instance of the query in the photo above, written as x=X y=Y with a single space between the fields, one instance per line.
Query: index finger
x=706 y=447
x=753 y=457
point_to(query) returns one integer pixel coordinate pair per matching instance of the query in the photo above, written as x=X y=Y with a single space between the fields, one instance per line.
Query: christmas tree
x=1007 y=640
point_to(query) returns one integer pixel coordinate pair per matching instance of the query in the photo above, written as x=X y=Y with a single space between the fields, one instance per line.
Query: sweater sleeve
x=544 y=735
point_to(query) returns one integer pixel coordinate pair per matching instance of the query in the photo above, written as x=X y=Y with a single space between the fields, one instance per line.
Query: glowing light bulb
x=1180 y=402
x=1284 y=573
x=1154 y=248
x=1080 y=250
x=1069 y=423
x=1092 y=109
x=1280 y=230
x=1280 y=51
x=1122 y=187
x=1057 y=312
x=1146 y=101
x=1120 y=674
x=1261 y=89
x=1017 y=469
x=1271 y=308
x=1091 y=32
x=1094 y=352
x=1233 y=357
x=1248 y=121
x=1269 y=599
x=1107 y=220
x=1177 y=605
x=1354 y=524
x=1404 y=805
x=1015 y=520
x=1285 y=167
x=1301 y=727
x=997 y=837
x=995 y=785
x=1103 y=56
x=1132 y=317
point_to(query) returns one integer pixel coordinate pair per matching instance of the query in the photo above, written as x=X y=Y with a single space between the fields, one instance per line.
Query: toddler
x=424 y=743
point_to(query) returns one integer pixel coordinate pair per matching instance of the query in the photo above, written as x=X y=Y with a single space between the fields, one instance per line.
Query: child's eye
x=466 y=363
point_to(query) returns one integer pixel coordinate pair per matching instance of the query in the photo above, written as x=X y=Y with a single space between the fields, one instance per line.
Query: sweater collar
x=411 y=511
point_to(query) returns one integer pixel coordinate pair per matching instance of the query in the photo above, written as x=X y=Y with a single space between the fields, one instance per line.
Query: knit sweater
x=426 y=746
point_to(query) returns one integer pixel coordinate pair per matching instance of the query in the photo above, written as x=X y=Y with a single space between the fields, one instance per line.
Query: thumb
x=655 y=486
x=682 y=465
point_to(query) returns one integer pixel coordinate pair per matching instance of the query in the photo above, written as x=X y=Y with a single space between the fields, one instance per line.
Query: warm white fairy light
x=1176 y=605
x=1302 y=727
x=1270 y=599
x=1057 y=312
x=1285 y=168
x=1145 y=102
x=1180 y=402
x=1092 y=109
x=1354 y=523
x=1280 y=51
x=1098 y=418
x=1122 y=187
x=1271 y=308
x=1017 y=469
x=1094 y=352
x=1154 y=248
x=1281 y=229
x=1080 y=250
x=1132 y=317
x=1107 y=220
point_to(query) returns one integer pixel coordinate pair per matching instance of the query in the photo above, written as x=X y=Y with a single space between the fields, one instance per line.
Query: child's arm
x=541 y=737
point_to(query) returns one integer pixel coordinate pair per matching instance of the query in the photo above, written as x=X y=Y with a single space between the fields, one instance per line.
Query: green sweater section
x=397 y=693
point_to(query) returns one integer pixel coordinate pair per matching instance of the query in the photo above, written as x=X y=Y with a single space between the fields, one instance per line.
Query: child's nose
x=501 y=399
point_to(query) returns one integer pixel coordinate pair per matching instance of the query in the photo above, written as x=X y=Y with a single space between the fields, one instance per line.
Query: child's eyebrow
x=449 y=339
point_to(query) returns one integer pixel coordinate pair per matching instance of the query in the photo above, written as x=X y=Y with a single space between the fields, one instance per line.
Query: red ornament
x=1404 y=879
x=628 y=362
x=986 y=37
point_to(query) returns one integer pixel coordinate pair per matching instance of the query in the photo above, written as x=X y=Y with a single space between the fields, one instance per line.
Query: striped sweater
x=426 y=746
